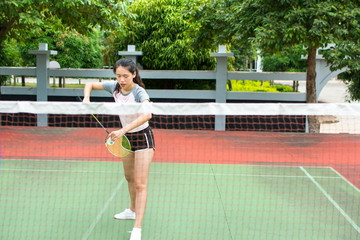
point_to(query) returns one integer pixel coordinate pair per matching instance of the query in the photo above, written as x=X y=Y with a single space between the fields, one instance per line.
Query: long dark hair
x=131 y=67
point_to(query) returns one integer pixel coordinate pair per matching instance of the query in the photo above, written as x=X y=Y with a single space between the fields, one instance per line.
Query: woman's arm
x=141 y=119
x=89 y=87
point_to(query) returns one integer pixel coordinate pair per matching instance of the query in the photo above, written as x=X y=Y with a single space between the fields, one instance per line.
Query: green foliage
x=78 y=51
x=162 y=30
x=22 y=18
x=213 y=26
x=283 y=88
x=352 y=80
x=66 y=26
x=285 y=61
x=10 y=56
x=180 y=34
x=274 y=27
x=288 y=23
x=256 y=86
x=75 y=50
x=213 y=29
x=346 y=54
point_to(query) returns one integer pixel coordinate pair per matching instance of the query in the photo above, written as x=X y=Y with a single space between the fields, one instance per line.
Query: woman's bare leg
x=128 y=165
x=142 y=163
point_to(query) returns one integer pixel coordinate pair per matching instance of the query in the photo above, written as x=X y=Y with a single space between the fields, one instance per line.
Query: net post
x=221 y=79
x=306 y=124
x=42 y=78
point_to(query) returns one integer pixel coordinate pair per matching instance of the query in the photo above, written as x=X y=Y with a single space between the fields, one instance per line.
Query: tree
x=75 y=50
x=285 y=61
x=288 y=23
x=23 y=18
x=25 y=23
x=162 y=30
x=347 y=55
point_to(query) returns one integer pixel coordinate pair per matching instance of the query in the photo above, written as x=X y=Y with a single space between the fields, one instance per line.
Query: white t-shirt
x=136 y=95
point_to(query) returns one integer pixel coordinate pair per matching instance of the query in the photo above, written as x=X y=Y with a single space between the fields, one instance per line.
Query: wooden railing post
x=42 y=78
x=130 y=53
x=221 y=79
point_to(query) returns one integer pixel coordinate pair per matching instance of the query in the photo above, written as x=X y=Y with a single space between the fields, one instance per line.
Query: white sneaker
x=127 y=214
x=135 y=234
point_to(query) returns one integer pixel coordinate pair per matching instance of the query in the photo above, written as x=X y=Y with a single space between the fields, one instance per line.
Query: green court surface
x=42 y=199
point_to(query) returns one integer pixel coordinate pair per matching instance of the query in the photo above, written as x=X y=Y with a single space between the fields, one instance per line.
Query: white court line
x=241 y=175
x=241 y=165
x=102 y=211
x=172 y=173
x=336 y=205
x=347 y=181
x=53 y=170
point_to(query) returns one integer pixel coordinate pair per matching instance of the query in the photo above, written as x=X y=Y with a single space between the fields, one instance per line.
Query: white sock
x=136 y=230
x=135 y=234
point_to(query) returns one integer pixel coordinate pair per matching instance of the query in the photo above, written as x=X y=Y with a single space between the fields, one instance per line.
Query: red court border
x=339 y=151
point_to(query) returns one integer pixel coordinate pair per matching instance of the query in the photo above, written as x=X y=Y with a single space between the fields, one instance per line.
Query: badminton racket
x=120 y=147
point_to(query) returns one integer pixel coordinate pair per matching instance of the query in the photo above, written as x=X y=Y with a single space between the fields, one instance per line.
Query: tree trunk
x=311 y=75
x=313 y=121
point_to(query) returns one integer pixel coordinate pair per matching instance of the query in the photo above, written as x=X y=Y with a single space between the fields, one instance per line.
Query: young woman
x=129 y=88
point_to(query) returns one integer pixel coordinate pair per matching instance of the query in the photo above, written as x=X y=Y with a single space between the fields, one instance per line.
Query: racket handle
x=79 y=98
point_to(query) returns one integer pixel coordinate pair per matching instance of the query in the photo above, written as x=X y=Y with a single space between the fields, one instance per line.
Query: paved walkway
x=335 y=91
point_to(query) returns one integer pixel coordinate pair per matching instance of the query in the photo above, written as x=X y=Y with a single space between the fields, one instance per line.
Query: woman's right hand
x=89 y=87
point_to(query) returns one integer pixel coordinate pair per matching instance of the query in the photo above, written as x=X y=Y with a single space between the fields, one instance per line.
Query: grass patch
x=233 y=85
x=256 y=86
